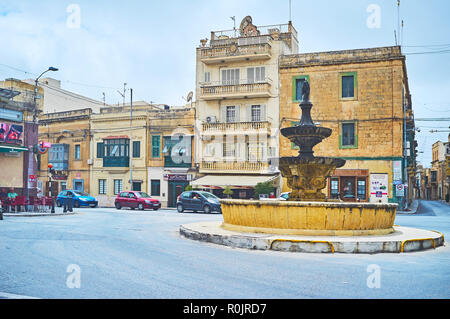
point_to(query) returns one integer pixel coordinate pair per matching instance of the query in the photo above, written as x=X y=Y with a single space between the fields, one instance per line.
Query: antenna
x=398 y=22
x=290 y=10
x=234 y=24
x=189 y=96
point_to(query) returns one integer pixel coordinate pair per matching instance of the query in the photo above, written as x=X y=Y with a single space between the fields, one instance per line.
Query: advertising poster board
x=379 y=188
x=11 y=133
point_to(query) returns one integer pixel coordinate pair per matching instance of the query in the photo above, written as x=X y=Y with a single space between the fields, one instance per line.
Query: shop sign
x=177 y=178
x=397 y=170
x=32 y=178
x=11 y=133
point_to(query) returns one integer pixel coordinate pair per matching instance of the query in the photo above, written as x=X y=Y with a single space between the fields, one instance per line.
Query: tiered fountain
x=307 y=212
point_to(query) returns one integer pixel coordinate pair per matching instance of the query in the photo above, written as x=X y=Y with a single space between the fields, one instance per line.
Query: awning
x=232 y=180
x=9 y=149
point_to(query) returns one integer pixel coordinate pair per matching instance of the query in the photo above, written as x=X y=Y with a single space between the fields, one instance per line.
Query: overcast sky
x=150 y=45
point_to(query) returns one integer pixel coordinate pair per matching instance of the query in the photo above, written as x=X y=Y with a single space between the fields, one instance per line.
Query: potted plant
x=228 y=191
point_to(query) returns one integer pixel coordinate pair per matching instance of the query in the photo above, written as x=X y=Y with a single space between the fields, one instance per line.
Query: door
x=348 y=190
x=175 y=189
x=132 y=200
x=196 y=201
x=123 y=199
x=78 y=185
x=137 y=186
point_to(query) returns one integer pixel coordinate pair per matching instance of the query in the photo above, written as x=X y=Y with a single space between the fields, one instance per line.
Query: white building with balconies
x=237 y=110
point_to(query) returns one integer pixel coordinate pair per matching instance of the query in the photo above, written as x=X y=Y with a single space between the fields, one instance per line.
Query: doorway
x=175 y=189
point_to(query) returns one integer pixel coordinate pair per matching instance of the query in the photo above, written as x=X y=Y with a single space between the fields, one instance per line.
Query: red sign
x=32 y=178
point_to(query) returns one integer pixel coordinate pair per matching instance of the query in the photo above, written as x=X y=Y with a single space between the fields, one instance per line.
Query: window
x=136 y=149
x=297 y=84
x=156 y=146
x=231 y=114
x=257 y=74
x=100 y=150
x=63 y=186
x=117 y=147
x=77 y=151
x=102 y=186
x=348 y=85
x=230 y=76
x=229 y=149
x=334 y=188
x=361 y=188
x=256 y=113
x=117 y=186
x=349 y=137
x=155 y=187
x=59 y=156
x=207 y=77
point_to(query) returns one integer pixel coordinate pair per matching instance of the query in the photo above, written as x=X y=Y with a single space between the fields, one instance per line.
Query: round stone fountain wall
x=308 y=218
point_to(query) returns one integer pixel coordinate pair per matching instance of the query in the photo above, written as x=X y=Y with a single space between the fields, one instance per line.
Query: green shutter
x=136 y=149
x=100 y=150
x=156 y=146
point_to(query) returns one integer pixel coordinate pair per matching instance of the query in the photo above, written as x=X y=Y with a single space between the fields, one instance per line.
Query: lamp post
x=30 y=161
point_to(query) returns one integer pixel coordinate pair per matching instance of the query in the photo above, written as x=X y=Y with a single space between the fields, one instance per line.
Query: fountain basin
x=308 y=218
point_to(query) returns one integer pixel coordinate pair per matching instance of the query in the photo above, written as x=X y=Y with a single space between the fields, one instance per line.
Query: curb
x=405 y=239
x=36 y=214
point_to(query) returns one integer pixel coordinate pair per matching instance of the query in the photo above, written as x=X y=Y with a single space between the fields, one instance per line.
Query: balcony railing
x=218 y=90
x=238 y=126
x=234 y=167
x=235 y=52
x=184 y=162
x=116 y=161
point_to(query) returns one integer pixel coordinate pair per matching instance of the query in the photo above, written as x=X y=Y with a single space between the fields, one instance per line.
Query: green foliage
x=228 y=191
x=188 y=188
x=263 y=188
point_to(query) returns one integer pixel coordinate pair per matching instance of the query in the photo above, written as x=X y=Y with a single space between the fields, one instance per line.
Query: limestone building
x=237 y=112
x=363 y=96
x=70 y=154
x=170 y=163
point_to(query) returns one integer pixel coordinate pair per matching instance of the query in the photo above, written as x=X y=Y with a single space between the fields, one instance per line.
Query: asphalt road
x=105 y=253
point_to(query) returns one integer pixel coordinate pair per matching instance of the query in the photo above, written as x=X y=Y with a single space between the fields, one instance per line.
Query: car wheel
x=207 y=209
x=155 y=208
x=141 y=206
x=180 y=208
x=76 y=204
x=58 y=203
x=118 y=206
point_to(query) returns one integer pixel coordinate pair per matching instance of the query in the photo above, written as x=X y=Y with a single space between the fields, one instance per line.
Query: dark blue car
x=79 y=199
x=198 y=201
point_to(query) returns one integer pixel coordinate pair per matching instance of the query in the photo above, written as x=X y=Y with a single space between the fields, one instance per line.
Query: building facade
x=118 y=152
x=69 y=134
x=363 y=96
x=18 y=136
x=237 y=112
x=171 y=164
x=439 y=181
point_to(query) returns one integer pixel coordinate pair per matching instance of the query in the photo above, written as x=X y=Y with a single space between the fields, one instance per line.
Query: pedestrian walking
x=68 y=202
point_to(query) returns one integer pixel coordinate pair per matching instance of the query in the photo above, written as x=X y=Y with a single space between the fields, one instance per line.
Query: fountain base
x=308 y=218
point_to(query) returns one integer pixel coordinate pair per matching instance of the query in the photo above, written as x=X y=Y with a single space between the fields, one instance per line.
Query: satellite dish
x=189 y=96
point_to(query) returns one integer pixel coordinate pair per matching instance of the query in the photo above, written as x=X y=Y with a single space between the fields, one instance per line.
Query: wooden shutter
x=263 y=113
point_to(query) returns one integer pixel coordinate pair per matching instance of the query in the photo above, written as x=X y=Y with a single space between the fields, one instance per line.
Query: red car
x=139 y=200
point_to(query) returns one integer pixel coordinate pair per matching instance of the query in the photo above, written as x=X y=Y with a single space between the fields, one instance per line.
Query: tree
x=188 y=188
x=228 y=191
x=263 y=188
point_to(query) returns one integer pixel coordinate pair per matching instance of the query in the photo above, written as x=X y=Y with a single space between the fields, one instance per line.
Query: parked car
x=134 y=199
x=79 y=199
x=198 y=201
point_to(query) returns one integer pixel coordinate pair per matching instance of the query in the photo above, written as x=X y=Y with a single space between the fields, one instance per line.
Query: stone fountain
x=307 y=211
x=306 y=174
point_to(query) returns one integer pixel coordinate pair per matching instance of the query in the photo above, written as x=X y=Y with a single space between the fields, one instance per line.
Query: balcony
x=184 y=162
x=234 y=167
x=235 y=53
x=116 y=161
x=218 y=91
x=235 y=128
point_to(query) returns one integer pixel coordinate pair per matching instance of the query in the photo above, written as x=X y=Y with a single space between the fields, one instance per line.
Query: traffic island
x=402 y=239
x=30 y=214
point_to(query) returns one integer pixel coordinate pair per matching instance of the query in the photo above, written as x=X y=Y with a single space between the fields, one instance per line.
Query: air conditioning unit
x=89 y=161
x=211 y=119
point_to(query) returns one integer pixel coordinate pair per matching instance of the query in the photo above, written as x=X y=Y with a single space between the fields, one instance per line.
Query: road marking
x=13 y=296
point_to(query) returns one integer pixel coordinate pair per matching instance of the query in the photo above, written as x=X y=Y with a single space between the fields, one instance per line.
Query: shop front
x=349 y=185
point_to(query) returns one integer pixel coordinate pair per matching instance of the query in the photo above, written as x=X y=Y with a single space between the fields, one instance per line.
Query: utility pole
x=131 y=139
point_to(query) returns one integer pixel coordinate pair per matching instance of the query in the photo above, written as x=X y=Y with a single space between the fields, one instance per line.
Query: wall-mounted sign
x=32 y=178
x=11 y=115
x=397 y=170
x=379 y=188
x=400 y=190
x=177 y=177
x=11 y=133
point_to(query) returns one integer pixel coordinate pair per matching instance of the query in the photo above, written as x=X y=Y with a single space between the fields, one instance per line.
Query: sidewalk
x=36 y=214
x=412 y=209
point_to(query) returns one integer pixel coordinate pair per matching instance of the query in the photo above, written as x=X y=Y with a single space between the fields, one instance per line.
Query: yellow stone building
x=363 y=96
x=70 y=135
x=18 y=134
x=118 y=152
x=171 y=164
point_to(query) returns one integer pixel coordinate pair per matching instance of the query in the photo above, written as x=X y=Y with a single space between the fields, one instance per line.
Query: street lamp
x=35 y=136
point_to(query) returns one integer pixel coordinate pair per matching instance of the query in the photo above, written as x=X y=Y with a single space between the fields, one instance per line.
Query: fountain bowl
x=308 y=218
